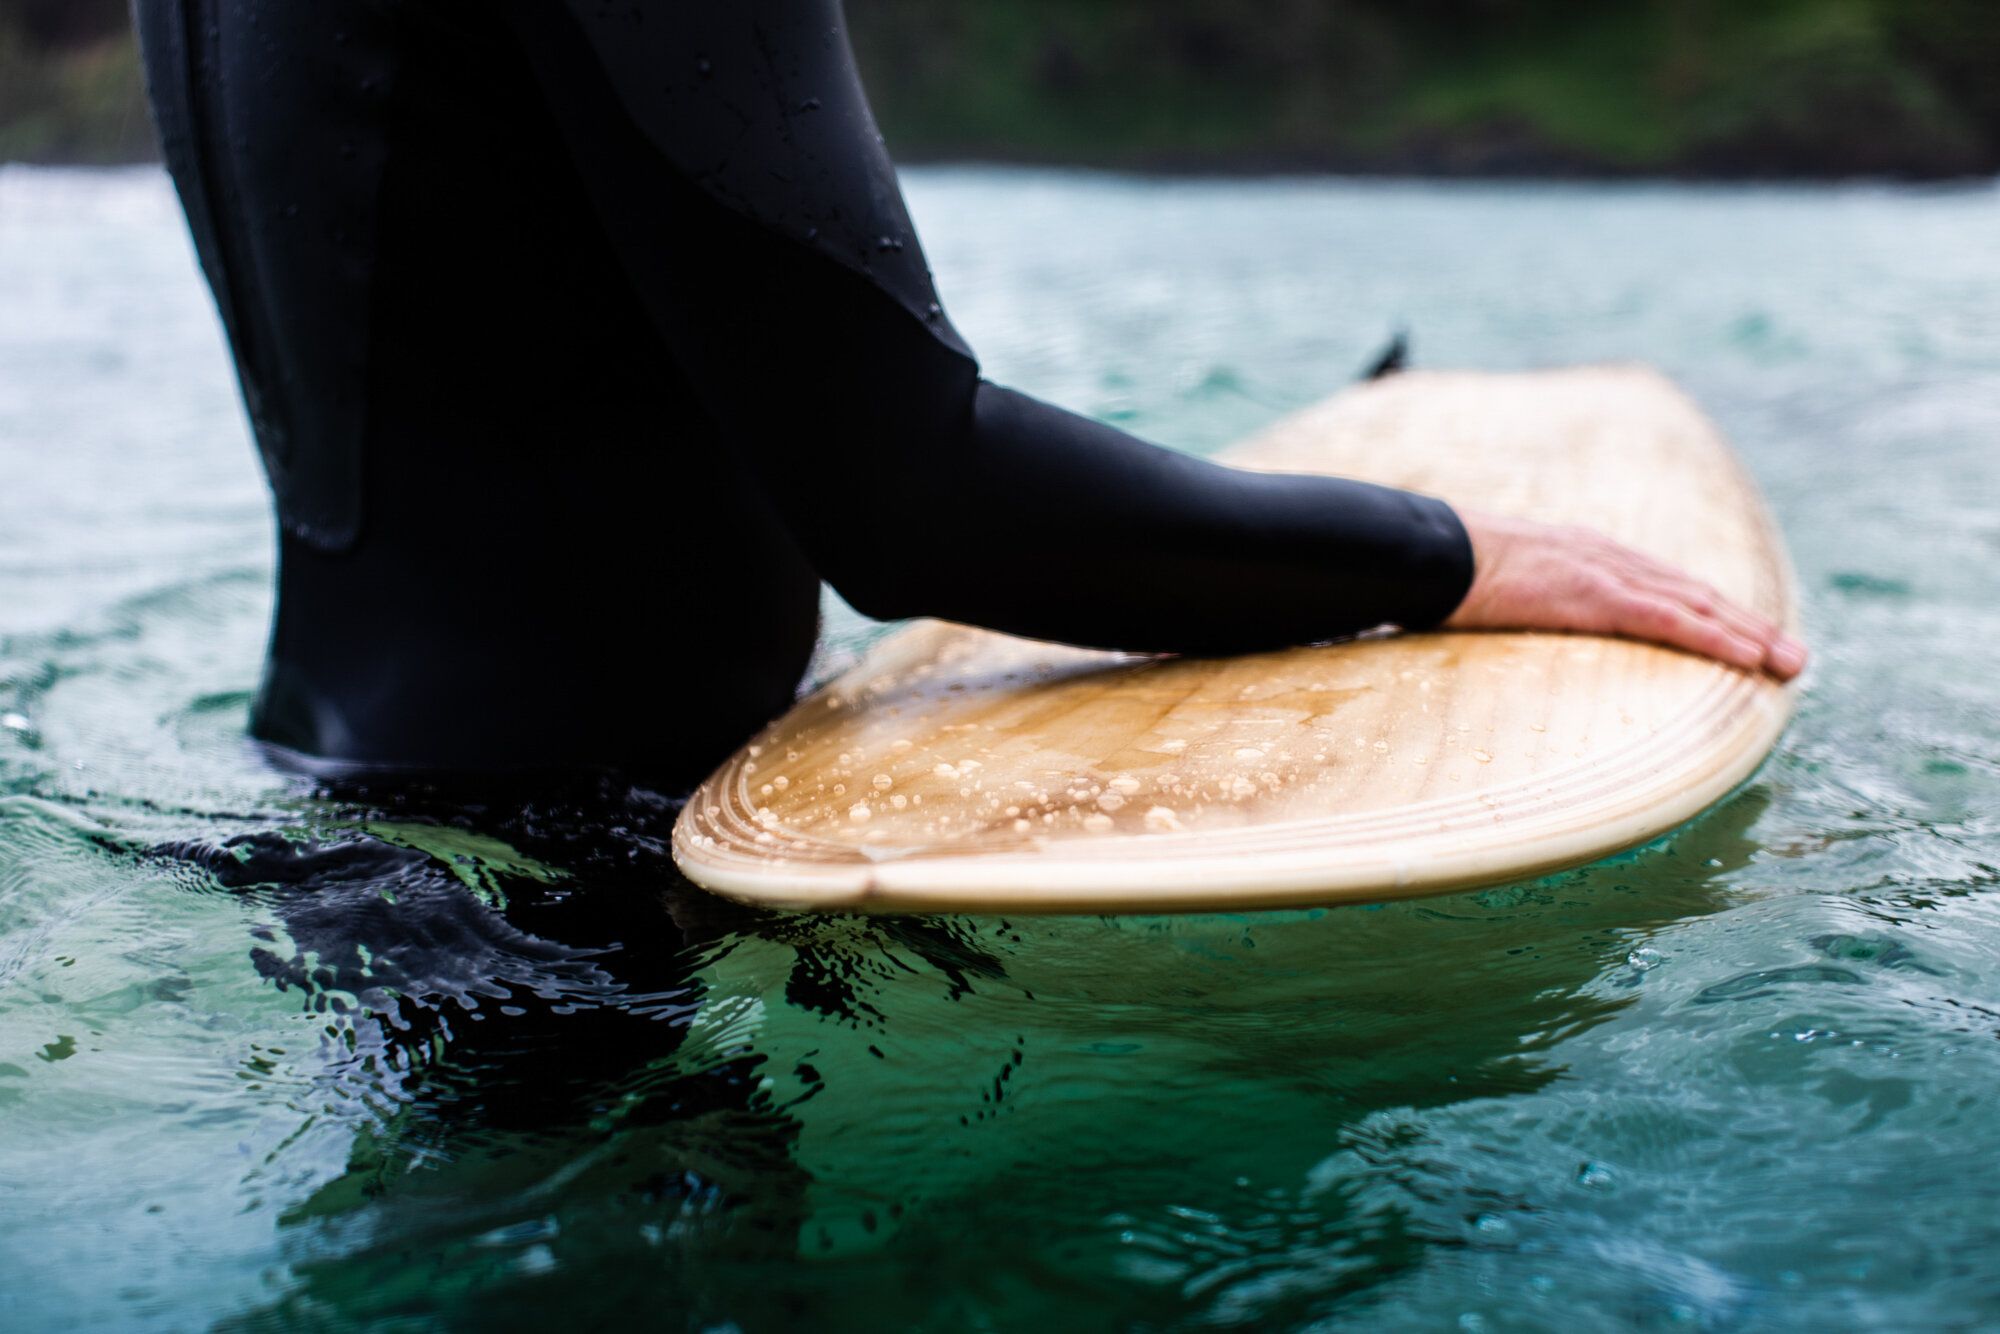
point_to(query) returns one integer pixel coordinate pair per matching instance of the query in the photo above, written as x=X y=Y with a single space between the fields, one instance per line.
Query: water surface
x=271 y=1057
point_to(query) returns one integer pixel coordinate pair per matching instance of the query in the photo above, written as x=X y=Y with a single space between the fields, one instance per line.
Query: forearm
x=1042 y=523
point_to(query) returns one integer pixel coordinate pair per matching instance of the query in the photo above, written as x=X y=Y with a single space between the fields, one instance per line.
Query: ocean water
x=272 y=1057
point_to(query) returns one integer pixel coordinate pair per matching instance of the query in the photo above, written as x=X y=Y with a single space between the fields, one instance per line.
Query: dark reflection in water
x=589 y=1089
x=505 y=986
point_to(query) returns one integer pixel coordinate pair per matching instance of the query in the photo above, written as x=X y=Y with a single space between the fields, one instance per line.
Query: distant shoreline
x=130 y=144
x=1280 y=166
x=1253 y=168
x=1569 y=90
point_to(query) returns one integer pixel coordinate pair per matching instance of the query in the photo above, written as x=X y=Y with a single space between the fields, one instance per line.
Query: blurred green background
x=1500 y=87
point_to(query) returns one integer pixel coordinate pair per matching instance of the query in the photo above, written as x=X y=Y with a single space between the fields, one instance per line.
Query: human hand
x=1536 y=576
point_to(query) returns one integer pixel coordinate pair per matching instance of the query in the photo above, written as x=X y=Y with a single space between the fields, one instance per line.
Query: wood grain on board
x=955 y=769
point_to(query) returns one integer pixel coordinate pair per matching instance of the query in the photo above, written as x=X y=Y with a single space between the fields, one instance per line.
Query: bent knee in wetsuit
x=633 y=343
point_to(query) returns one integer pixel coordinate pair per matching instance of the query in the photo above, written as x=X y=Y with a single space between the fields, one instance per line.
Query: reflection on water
x=272 y=1055
x=682 y=1088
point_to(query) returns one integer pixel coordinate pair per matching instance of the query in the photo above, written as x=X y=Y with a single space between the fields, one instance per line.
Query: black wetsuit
x=582 y=340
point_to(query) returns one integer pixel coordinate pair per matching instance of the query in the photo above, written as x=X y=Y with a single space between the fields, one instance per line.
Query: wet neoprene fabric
x=582 y=340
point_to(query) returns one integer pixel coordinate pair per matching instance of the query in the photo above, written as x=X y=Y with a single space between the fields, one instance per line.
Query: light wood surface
x=956 y=769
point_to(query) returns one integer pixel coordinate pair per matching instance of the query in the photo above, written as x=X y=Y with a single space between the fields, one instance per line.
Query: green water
x=271 y=1058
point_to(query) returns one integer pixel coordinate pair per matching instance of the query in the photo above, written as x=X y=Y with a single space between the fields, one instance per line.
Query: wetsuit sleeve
x=733 y=165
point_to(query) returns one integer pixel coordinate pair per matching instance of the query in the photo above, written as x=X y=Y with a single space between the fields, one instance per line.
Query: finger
x=1705 y=600
x=1707 y=622
x=1783 y=656
x=1780 y=654
x=1787 y=658
x=1662 y=621
x=1699 y=596
x=1639 y=567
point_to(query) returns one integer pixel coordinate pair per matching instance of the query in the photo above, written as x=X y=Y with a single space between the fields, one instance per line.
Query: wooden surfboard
x=960 y=770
